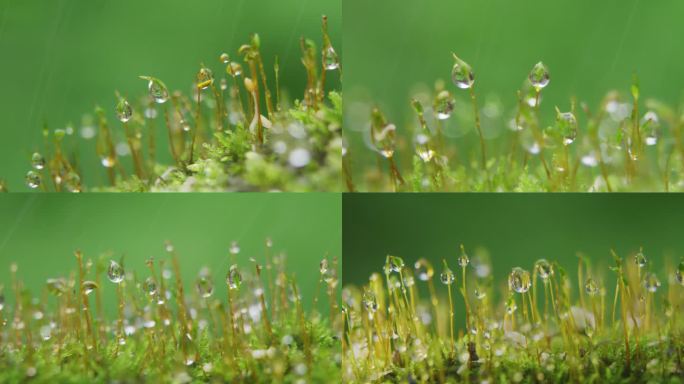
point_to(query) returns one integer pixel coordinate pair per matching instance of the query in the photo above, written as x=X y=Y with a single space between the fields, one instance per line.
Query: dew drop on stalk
x=224 y=58
x=409 y=280
x=394 y=264
x=567 y=127
x=89 y=286
x=205 y=78
x=651 y=282
x=150 y=286
x=447 y=276
x=384 y=140
x=539 y=76
x=370 y=302
x=511 y=306
x=204 y=286
x=115 y=272
x=444 y=105
x=124 y=112
x=37 y=161
x=157 y=89
x=640 y=259
x=56 y=286
x=591 y=287
x=423 y=269
x=544 y=269
x=33 y=179
x=463 y=259
x=234 y=69
x=519 y=280
x=332 y=62
x=424 y=152
x=233 y=279
x=651 y=127
x=480 y=293
x=462 y=74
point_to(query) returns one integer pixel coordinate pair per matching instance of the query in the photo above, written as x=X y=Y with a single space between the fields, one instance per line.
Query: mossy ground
x=234 y=131
x=400 y=327
x=251 y=327
x=460 y=141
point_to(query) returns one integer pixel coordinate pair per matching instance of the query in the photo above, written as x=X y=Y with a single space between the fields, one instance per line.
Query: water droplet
x=323 y=267
x=519 y=280
x=234 y=248
x=444 y=105
x=234 y=69
x=332 y=62
x=157 y=89
x=480 y=293
x=204 y=286
x=224 y=58
x=640 y=259
x=108 y=161
x=234 y=279
x=150 y=286
x=73 y=182
x=393 y=264
x=56 y=286
x=124 y=112
x=422 y=149
x=651 y=282
x=370 y=302
x=424 y=270
x=511 y=306
x=425 y=154
x=204 y=78
x=463 y=259
x=544 y=268
x=299 y=157
x=115 y=272
x=447 y=277
x=45 y=332
x=567 y=127
x=409 y=281
x=33 y=179
x=651 y=128
x=589 y=160
x=591 y=287
x=539 y=76
x=88 y=287
x=461 y=74
x=37 y=161
x=150 y=113
x=384 y=140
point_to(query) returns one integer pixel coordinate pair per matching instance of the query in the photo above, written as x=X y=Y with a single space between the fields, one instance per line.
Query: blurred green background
x=516 y=229
x=41 y=232
x=590 y=47
x=60 y=58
